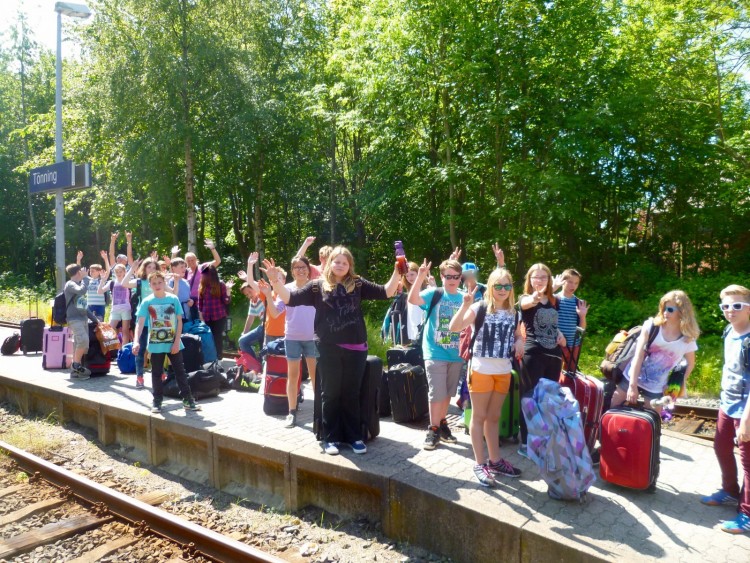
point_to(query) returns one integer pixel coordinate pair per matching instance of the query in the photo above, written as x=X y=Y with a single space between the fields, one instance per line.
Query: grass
x=33 y=437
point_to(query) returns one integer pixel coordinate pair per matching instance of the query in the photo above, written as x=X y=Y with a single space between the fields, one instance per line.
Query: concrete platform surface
x=429 y=498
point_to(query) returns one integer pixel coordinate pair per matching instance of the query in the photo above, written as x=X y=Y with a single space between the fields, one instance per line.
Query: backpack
x=556 y=441
x=11 y=344
x=126 y=359
x=622 y=350
x=469 y=336
x=397 y=325
x=60 y=308
x=135 y=300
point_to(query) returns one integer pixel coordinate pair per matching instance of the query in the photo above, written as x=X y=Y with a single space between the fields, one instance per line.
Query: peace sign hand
x=424 y=269
x=468 y=297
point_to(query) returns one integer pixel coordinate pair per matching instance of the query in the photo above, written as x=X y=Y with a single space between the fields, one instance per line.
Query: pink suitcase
x=57 y=348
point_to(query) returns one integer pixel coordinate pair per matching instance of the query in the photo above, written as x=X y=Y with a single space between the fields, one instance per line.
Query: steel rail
x=193 y=538
x=709 y=413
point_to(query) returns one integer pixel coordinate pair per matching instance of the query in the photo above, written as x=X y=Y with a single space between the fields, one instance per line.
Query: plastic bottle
x=403 y=265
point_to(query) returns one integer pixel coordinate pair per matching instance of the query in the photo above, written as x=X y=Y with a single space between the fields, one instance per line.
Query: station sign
x=52 y=177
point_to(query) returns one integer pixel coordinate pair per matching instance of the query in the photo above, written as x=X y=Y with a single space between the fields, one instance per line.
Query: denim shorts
x=295 y=349
x=624 y=384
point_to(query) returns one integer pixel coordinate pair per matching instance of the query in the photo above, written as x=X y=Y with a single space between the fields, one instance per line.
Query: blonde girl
x=676 y=337
x=542 y=353
x=497 y=341
x=342 y=340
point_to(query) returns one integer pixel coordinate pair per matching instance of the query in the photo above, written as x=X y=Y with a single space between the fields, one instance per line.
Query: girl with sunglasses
x=498 y=339
x=676 y=338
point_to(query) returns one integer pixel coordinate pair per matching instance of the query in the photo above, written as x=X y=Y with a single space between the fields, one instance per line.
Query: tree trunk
x=258 y=212
x=332 y=188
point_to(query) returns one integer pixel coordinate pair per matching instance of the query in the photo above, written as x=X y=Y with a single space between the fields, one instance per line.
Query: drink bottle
x=403 y=265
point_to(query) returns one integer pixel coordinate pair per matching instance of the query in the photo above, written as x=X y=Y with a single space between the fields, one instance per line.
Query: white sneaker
x=291 y=420
x=331 y=448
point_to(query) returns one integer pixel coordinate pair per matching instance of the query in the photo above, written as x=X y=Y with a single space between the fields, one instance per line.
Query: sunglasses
x=501 y=286
x=452 y=276
x=734 y=306
x=670 y=309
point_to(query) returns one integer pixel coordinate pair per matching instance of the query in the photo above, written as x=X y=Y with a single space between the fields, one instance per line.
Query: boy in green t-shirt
x=164 y=312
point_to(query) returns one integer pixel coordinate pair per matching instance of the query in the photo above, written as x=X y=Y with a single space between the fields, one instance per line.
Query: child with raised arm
x=542 y=354
x=120 y=310
x=342 y=340
x=571 y=313
x=164 y=332
x=440 y=345
x=497 y=338
x=734 y=411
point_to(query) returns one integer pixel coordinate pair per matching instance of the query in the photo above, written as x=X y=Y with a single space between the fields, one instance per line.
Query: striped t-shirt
x=567 y=316
x=94 y=297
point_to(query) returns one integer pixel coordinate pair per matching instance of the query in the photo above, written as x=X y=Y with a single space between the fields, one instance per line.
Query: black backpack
x=11 y=344
x=60 y=309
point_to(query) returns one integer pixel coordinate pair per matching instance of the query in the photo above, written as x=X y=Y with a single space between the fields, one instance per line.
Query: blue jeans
x=247 y=340
x=140 y=359
x=98 y=310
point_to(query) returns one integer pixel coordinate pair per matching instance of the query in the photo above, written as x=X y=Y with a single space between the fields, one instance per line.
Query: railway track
x=699 y=422
x=89 y=505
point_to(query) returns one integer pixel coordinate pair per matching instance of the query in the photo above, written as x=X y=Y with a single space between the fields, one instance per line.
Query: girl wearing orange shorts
x=498 y=339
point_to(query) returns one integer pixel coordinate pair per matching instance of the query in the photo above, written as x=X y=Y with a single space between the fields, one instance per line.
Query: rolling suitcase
x=57 y=350
x=630 y=447
x=510 y=413
x=192 y=354
x=384 y=398
x=32 y=332
x=407 y=387
x=404 y=355
x=588 y=391
x=275 y=401
x=368 y=398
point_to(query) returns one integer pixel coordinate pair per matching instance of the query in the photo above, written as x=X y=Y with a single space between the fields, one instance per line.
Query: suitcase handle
x=577 y=341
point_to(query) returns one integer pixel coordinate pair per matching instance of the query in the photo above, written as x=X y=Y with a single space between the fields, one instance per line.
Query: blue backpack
x=126 y=359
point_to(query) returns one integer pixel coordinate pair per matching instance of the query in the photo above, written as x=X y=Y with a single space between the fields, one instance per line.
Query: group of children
x=320 y=318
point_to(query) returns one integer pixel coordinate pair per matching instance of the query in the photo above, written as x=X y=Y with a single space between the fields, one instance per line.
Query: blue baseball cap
x=469 y=268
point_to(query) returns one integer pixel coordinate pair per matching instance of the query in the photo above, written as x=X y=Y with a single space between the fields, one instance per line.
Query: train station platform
x=428 y=498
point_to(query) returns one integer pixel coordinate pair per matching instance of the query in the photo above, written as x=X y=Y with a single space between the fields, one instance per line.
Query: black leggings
x=341 y=372
x=537 y=363
x=157 y=368
x=217 y=331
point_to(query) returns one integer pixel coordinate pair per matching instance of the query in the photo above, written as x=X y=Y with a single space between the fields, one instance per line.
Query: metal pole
x=59 y=199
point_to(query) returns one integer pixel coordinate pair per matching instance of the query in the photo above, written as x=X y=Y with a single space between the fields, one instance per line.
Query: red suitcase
x=275 y=401
x=630 y=447
x=588 y=391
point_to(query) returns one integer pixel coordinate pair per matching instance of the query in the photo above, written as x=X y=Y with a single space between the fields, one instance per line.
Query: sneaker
x=720 y=497
x=739 y=525
x=502 y=467
x=595 y=458
x=331 y=448
x=359 y=447
x=156 y=407
x=484 y=476
x=445 y=433
x=291 y=420
x=432 y=439
x=139 y=383
x=80 y=372
x=189 y=405
x=523 y=451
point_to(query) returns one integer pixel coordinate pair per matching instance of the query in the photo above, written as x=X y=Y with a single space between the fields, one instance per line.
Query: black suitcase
x=368 y=398
x=404 y=355
x=94 y=359
x=384 y=397
x=32 y=332
x=407 y=386
x=192 y=354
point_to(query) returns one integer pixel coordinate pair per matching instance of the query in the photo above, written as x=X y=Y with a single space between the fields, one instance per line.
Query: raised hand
x=499 y=254
x=103 y=254
x=456 y=254
x=229 y=284
x=424 y=269
x=582 y=309
x=265 y=289
x=557 y=282
x=270 y=269
x=113 y=236
x=309 y=241
x=252 y=259
x=167 y=259
x=431 y=281
x=468 y=297
x=210 y=244
x=129 y=236
x=175 y=250
x=242 y=275
x=79 y=256
x=154 y=256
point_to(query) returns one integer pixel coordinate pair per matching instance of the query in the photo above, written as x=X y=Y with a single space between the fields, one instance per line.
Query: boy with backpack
x=734 y=410
x=164 y=312
x=77 y=315
x=440 y=345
